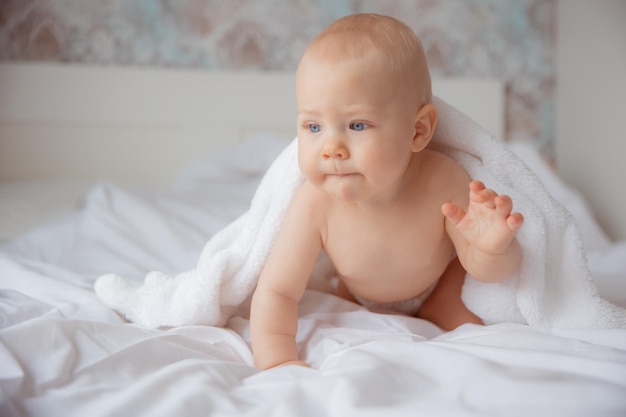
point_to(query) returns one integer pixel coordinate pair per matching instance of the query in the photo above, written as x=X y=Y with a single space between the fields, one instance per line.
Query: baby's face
x=355 y=130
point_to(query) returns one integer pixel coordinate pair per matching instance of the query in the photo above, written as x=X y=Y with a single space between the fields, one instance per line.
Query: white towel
x=552 y=287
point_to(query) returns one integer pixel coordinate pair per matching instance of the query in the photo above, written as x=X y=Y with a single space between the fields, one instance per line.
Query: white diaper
x=408 y=307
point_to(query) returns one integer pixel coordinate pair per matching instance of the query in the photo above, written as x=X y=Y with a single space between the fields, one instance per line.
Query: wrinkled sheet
x=63 y=353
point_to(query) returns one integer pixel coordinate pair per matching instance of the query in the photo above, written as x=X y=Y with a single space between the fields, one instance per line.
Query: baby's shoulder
x=309 y=200
x=445 y=178
x=306 y=209
x=439 y=166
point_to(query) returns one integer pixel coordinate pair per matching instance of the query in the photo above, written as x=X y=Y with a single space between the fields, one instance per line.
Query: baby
x=394 y=217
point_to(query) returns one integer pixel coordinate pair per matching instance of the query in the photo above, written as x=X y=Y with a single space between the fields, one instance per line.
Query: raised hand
x=488 y=223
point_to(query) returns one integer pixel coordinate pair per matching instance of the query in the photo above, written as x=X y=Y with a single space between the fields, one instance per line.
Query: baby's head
x=382 y=45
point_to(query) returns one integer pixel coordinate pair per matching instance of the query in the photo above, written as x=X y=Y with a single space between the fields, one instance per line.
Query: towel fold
x=552 y=287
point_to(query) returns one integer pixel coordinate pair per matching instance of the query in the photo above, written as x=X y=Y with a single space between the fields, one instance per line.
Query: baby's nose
x=335 y=149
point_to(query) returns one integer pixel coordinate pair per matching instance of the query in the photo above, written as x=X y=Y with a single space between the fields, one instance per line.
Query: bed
x=134 y=170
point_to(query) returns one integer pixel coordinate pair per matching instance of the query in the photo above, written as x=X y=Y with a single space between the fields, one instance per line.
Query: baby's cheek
x=309 y=169
x=304 y=160
x=384 y=163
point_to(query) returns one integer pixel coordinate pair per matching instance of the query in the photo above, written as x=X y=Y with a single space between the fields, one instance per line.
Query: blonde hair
x=381 y=42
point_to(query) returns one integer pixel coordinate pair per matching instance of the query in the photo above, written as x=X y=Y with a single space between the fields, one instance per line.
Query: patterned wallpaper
x=511 y=40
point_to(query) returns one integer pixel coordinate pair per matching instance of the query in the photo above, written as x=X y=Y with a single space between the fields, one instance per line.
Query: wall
x=591 y=143
x=509 y=40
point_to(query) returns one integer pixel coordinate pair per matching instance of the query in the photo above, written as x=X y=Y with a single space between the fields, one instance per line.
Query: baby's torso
x=394 y=251
x=388 y=256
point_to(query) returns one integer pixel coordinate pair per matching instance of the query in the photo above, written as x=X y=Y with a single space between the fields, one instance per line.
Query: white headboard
x=141 y=126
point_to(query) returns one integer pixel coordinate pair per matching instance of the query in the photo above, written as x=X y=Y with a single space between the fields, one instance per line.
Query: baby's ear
x=425 y=123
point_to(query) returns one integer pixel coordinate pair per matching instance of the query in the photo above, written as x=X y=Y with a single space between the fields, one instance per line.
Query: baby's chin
x=343 y=188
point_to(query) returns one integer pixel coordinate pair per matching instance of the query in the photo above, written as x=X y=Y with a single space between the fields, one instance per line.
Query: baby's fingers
x=482 y=195
x=298 y=363
x=504 y=205
x=476 y=186
x=515 y=221
x=453 y=212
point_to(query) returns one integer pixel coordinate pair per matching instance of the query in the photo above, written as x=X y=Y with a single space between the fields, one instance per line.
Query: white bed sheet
x=63 y=353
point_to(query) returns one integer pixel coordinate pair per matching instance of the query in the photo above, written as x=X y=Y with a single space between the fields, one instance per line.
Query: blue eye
x=358 y=126
x=314 y=128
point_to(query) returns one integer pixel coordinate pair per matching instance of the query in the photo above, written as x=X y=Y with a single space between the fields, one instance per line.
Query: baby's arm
x=274 y=311
x=484 y=235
